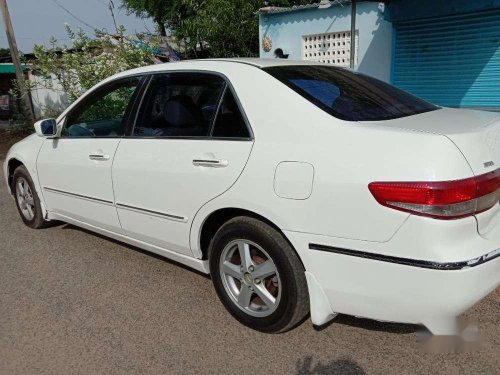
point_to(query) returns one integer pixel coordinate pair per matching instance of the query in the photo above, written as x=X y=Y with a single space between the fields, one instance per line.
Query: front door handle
x=211 y=163
x=98 y=157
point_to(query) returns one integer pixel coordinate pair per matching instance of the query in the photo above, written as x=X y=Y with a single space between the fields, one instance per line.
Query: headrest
x=181 y=111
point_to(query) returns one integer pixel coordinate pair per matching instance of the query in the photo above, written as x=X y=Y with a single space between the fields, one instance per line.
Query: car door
x=74 y=169
x=190 y=143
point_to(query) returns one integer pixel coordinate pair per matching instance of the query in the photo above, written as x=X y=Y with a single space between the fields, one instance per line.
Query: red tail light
x=443 y=199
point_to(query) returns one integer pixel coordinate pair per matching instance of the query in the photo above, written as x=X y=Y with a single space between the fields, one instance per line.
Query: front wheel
x=27 y=201
x=258 y=276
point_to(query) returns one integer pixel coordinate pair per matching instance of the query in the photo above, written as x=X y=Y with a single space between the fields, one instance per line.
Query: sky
x=35 y=21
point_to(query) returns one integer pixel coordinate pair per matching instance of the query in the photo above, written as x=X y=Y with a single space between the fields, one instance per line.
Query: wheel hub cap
x=248 y=278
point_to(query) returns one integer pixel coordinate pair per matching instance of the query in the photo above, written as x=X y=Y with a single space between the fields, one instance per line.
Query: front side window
x=349 y=96
x=103 y=114
x=179 y=105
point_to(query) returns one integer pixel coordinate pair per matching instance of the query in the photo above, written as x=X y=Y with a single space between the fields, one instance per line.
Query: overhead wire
x=73 y=15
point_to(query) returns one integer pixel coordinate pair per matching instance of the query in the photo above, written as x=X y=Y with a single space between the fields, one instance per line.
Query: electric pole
x=352 y=56
x=111 y=8
x=15 y=60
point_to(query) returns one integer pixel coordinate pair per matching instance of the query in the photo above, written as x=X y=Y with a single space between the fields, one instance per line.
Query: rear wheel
x=258 y=276
x=27 y=201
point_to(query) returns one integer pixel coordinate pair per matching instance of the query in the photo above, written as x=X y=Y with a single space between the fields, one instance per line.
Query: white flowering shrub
x=87 y=61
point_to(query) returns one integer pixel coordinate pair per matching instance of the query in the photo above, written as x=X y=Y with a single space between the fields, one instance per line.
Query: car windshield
x=347 y=95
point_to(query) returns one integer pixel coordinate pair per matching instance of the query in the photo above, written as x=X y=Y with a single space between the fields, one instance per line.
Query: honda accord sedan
x=301 y=188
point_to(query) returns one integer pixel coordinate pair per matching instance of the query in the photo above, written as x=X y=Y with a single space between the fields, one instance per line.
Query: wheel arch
x=219 y=217
x=15 y=162
x=12 y=165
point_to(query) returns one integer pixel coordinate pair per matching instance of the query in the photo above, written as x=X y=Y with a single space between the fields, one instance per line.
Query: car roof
x=262 y=63
x=210 y=64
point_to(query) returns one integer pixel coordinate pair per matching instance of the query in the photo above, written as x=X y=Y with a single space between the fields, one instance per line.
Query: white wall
x=47 y=101
x=375 y=34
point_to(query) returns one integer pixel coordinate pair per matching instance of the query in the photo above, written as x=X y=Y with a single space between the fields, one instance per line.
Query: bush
x=87 y=61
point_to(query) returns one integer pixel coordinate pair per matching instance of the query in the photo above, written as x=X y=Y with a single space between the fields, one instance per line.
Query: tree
x=158 y=10
x=209 y=28
x=228 y=28
x=4 y=52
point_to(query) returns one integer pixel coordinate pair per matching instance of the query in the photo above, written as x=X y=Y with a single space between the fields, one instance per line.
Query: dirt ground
x=8 y=138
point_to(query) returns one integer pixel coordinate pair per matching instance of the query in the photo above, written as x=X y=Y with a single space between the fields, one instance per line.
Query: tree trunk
x=161 y=27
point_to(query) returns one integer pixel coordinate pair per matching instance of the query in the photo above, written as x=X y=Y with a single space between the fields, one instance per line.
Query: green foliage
x=20 y=117
x=20 y=121
x=111 y=106
x=209 y=28
x=87 y=61
x=228 y=28
x=4 y=52
x=158 y=10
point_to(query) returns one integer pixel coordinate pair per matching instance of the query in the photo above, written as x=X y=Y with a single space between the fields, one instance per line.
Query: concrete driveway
x=74 y=302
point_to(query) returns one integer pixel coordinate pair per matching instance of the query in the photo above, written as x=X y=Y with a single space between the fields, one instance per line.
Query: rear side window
x=179 y=105
x=349 y=96
x=230 y=122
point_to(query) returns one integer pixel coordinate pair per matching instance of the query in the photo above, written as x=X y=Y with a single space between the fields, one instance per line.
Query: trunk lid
x=475 y=133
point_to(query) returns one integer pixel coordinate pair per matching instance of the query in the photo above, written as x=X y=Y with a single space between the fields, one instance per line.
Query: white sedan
x=301 y=188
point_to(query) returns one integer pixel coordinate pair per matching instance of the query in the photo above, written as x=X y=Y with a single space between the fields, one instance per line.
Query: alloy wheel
x=25 y=199
x=250 y=278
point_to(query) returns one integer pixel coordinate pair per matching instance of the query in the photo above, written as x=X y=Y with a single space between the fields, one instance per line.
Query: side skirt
x=197 y=264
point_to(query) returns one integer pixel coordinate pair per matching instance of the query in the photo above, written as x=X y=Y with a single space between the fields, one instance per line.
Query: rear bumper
x=392 y=288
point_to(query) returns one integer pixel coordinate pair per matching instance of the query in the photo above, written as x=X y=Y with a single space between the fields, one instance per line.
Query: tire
x=27 y=200
x=234 y=279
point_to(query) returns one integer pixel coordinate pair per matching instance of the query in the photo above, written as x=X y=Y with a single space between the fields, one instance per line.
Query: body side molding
x=448 y=266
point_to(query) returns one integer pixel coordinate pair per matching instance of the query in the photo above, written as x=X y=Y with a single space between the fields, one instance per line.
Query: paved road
x=74 y=302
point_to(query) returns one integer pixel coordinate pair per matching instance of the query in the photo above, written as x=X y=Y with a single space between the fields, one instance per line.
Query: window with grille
x=331 y=48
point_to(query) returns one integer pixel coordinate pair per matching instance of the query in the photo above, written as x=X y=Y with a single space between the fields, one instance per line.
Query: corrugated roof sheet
x=9 y=68
x=276 y=10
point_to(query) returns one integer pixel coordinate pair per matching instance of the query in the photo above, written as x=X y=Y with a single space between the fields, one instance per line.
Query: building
x=447 y=52
x=7 y=101
x=45 y=102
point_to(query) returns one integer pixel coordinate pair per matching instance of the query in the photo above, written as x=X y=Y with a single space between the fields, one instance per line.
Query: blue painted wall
x=375 y=33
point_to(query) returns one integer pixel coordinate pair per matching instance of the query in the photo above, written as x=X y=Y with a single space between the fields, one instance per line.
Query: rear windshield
x=349 y=96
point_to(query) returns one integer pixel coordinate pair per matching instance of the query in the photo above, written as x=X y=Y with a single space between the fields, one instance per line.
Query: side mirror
x=46 y=128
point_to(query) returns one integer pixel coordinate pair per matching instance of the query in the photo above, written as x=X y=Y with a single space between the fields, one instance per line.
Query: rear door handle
x=99 y=157
x=211 y=163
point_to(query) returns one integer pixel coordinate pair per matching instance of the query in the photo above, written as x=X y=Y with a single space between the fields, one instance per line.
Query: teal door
x=451 y=61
